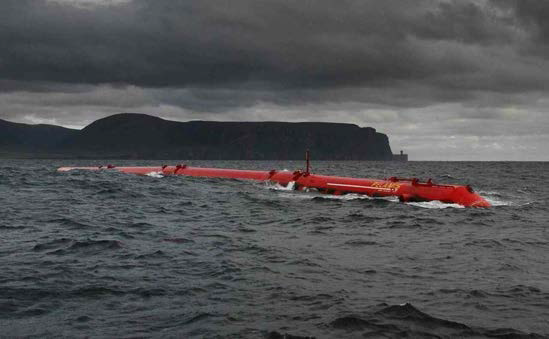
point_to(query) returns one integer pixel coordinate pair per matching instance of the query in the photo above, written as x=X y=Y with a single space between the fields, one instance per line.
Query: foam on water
x=295 y=195
x=351 y=196
x=279 y=187
x=435 y=204
x=313 y=193
x=155 y=175
x=309 y=195
x=497 y=202
x=496 y=199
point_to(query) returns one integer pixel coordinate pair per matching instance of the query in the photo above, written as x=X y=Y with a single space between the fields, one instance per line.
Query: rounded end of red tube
x=475 y=200
x=465 y=196
x=481 y=202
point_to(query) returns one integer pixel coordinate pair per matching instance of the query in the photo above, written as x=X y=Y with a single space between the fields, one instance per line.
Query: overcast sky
x=445 y=80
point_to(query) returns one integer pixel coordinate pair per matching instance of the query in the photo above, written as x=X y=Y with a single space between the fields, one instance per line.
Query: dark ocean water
x=105 y=254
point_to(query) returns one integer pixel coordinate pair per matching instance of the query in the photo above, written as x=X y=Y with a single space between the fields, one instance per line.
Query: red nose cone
x=481 y=202
x=464 y=195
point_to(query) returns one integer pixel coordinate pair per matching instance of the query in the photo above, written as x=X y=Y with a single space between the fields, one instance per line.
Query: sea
x=103 y=254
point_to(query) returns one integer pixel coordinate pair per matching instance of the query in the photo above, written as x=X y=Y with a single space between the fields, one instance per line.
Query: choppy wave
x=405 y=321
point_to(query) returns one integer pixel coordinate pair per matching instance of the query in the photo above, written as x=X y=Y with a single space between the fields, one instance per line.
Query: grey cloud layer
x=278 y=44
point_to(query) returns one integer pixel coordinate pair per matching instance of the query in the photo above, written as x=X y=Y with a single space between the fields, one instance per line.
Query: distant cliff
x=22 y=140
x=140 y=136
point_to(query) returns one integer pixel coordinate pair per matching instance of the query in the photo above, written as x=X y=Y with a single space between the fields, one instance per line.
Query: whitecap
x=494 y=198
x=278 y=187
x=155 y=175
x=435 y=204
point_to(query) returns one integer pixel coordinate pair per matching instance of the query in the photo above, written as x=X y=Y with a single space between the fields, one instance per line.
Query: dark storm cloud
x=271 y=44
x=532 y=14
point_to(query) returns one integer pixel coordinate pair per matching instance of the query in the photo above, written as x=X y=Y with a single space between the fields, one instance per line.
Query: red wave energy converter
x=407 y=190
